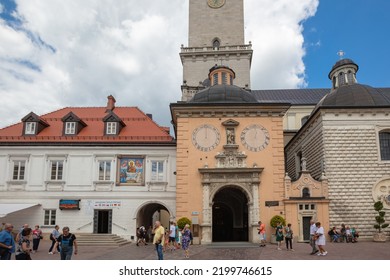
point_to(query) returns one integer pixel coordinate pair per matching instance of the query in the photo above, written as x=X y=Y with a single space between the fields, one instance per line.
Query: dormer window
x=72 y=124
x=70 y=127
x=111 y=128
x=112 y=124
x=33 y=124
x=30 y=128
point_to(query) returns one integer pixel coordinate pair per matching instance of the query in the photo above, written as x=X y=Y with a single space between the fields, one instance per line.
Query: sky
x=56 y=53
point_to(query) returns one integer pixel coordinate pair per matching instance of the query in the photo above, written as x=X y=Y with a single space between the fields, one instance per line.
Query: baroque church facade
x=239 y=155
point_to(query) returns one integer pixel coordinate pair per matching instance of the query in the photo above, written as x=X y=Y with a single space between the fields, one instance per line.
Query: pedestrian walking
x=186 y=238
x=53 y=237
x=158 y=239
x=23 y=251
x=313 y=230
x=320 y=240
x=37 y=236
x=288 y=237
x=7 y=243
x=279 y=235
x=172 y=237
x=68 y=244
x=261 y=231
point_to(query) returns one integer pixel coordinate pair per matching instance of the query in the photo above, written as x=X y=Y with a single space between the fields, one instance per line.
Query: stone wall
x=353 y=168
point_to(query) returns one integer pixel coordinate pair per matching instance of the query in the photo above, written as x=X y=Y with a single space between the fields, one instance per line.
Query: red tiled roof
x=139 y=128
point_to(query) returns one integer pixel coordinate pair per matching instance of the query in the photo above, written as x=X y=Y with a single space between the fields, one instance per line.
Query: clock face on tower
x=216 y=3
x=255 y=137
x=205 y=137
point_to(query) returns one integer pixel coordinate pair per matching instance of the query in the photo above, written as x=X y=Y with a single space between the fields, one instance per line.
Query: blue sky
x=56 y=53
x=358 y=27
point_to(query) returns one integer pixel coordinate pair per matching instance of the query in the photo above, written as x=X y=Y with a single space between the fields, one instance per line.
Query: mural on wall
x=131 y=170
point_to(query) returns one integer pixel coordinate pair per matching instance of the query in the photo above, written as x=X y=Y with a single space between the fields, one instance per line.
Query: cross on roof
x=341 y=54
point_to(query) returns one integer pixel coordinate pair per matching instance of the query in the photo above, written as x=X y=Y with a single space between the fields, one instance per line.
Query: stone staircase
x=102 y=240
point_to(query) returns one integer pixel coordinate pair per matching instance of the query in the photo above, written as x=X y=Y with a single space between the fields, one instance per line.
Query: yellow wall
x=189 y=159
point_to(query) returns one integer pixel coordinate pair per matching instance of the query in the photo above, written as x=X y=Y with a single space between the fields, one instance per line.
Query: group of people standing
x=317 y=237
x=20 y=245
x=281 y=233
x=170 y=238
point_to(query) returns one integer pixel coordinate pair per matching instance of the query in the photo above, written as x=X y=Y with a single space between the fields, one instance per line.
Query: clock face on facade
x=206 y=137
x=216 y=3
x=255 y=138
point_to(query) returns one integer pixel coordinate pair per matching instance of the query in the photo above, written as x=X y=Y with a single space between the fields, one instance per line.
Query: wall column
x=206 y=225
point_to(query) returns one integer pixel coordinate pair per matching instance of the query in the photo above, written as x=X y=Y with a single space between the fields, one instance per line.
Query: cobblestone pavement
x=228 y=251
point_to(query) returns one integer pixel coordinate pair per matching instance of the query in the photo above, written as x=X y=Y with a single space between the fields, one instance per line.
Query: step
x=103 y=240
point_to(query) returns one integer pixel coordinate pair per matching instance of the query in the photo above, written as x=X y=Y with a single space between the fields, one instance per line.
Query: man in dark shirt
x=67 y=241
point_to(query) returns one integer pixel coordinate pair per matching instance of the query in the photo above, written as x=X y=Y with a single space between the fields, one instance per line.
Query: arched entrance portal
x=152 y=212
x=230 y=215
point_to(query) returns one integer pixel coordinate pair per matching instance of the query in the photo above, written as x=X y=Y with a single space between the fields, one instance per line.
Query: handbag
x=40 y=237
x=23 y=257
x=3 y=252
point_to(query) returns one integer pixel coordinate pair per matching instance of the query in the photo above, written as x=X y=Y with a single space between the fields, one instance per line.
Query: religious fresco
x=131 y=170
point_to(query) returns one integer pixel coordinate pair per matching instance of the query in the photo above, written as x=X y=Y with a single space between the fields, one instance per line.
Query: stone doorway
x=102 y=221
x=230 y=215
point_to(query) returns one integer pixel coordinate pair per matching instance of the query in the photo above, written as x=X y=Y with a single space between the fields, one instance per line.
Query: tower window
x=216 y=44
x=215 y=79
x=341 y=79
x=305 y=192
x=350 y=77
x=334 y=82
x=224 y=78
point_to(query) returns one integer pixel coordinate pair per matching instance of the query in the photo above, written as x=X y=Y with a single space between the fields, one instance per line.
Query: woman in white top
x=320 y=240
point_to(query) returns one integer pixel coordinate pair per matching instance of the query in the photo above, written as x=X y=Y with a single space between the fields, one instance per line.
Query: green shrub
x=182 y=222
x=275 y=219
x=380 y=219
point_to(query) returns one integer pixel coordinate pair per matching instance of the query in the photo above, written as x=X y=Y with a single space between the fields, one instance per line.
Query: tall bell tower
x=216 y=36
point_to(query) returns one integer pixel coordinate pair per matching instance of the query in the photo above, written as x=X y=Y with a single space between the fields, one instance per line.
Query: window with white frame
x=56 y=169
x=157 y=171
x=70 y=128
x=104 y=170
x=19 y=168
x=30 y=128
x=111 y=128
x=50 y=217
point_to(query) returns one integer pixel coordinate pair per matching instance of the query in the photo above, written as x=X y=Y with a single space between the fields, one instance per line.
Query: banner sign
x=107 y=204
x=69 y=204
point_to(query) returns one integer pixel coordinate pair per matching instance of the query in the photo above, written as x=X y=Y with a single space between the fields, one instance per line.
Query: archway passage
x=150 y=213
x=230 y=215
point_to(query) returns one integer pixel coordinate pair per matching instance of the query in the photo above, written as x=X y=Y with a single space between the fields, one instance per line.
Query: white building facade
x=101 y=185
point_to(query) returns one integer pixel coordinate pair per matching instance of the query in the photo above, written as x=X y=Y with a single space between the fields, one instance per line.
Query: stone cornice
x=191 y=110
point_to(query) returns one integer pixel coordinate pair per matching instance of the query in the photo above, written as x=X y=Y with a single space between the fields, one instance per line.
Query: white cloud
x=130 y=49
x=275 y=30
